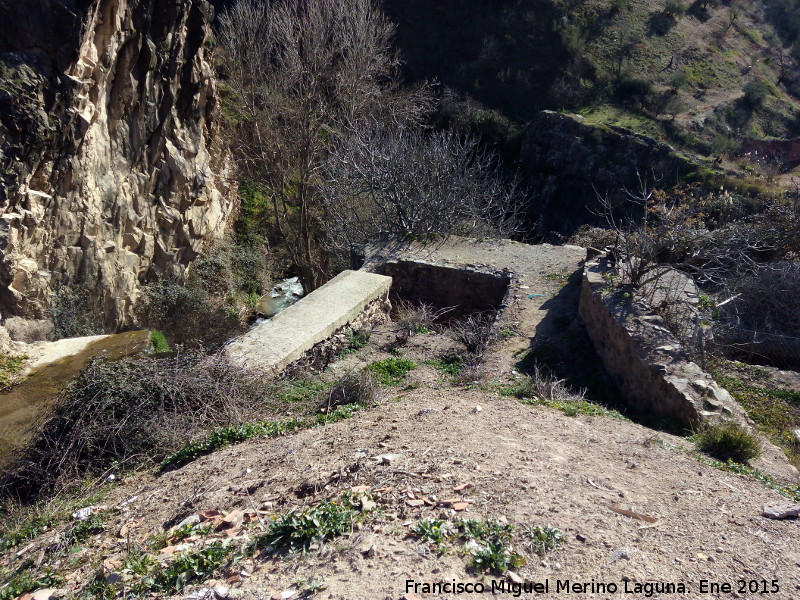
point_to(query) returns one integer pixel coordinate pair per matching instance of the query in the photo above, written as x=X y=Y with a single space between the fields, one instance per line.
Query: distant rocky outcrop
x=112 y=171
x=568 y=162
x=782 y=152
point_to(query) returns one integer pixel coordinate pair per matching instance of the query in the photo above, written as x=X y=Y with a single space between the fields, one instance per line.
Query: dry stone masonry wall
x=653 y=371
x=651 y=368
x=111 y=169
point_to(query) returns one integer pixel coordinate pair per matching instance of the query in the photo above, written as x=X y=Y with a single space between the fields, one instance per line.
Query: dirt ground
x=531 y=466
x=635 y=507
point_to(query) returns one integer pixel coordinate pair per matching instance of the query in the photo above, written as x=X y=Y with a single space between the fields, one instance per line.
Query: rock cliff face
x=569 y=161
x=111 y=170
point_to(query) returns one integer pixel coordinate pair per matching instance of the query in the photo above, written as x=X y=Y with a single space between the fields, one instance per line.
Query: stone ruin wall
x=653 y=371
x=648 y=364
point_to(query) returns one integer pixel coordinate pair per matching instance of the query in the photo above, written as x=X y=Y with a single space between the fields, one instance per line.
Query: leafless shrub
x=388 y=180
x=768 y=300
x=300 y=74
x=545 y=386
x=474 y=331
x=118 y=414
x=353 y=388
x=418 y=317
x=471 y=373
x=592 y=237
x=657 y=230
x=762 y=318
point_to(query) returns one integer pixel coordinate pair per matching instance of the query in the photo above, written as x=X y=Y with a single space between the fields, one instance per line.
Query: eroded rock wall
x=112 y=172
x=569 y=162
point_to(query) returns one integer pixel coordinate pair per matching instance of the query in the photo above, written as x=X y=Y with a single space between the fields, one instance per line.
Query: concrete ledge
x=270 y=347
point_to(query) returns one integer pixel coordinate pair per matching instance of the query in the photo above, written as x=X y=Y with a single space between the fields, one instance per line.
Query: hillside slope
x=679 y=76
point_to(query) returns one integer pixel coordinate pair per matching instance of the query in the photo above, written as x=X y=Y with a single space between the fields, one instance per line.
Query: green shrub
x=186 y=313
x=756 y=92
x=675 y=8
x=633 y=89
x=75 y=313
x=728 y=441
x=159 y=342
x=619 y=5
x=724 y=145
x=392 y=371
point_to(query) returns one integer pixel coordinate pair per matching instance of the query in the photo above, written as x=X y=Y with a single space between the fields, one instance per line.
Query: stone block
x=272 y=346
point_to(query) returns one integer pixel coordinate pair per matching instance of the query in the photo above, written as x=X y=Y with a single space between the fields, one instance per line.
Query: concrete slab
x=272 y=346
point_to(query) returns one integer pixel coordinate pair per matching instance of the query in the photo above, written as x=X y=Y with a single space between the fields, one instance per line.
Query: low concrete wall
x=649 y=365
x=272 y=346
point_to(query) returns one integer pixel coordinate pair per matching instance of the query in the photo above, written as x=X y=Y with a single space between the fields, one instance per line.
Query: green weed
x=26 y=580
x=527 y=391
x=298 y=531
x=506 y=333
x=495 y=558
x=187 y=568
x=138 y=562
x=228 y=436
x=300 y=390
x=488 y=530
x=449 y=365
x=159 y=342
x=729 y=441
x=356 y=340
x=775 y=411
x=99 y=588
x=543 y=539
x=789 y=491
x=26 y=531
x=10 y=366
x=432 y=530
x=83 y=530
x=392 y=371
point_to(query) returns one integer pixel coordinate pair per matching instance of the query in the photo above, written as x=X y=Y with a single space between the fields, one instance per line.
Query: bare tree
x=658 y=230
x=301 y=73
x=400 y=180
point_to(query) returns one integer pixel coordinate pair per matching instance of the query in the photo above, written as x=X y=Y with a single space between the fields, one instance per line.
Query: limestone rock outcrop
x=112 y=170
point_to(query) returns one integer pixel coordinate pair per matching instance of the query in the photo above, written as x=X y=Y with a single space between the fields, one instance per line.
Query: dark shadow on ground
x=562 y=348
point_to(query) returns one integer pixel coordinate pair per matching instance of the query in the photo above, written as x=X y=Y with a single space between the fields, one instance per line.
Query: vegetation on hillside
x=699 y=73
